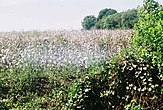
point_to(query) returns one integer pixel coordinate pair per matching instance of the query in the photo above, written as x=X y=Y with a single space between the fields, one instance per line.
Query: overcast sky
x=54 y=14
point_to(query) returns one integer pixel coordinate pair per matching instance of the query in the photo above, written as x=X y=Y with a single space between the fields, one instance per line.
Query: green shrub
x=36 y=87
x=122 y=80
x=149 y=33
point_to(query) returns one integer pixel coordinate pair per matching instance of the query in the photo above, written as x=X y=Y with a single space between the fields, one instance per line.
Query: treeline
x=111 y=19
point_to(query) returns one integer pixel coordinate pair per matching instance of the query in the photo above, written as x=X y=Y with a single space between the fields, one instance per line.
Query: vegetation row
x=111 y=19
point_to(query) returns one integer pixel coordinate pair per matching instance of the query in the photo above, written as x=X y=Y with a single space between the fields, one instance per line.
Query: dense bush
x=20 y=85
x=36 y=87
x=121 y=81
x=149 y=34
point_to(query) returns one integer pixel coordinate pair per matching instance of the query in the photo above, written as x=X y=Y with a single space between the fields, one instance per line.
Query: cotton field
x=50 y=48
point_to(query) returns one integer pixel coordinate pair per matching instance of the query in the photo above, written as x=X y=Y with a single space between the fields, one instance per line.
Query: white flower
x=86 y=90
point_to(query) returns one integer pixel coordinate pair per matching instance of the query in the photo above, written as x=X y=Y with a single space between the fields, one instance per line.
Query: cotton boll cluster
x=49 y=48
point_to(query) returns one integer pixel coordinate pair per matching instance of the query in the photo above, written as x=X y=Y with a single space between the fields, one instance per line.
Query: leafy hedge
x=122 y=80
x=149 y=35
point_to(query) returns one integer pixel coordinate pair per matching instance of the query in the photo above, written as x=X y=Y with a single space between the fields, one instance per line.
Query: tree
x=106 y=12
x=129 y=18
x=100 y=24
x=113 y=21
x=89 y=22
x=110 y=19
x=102 y=16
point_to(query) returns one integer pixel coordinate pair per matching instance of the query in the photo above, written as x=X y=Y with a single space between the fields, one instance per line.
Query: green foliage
x=149 y=30
x=121 y=80
x=20 y=85
x=99 y=24
x=110 y=19
x=89 y=22
x=36 y=87
x=129 y=18
x=113 y=21
x=125 y=20
x=33 y=87
x=105 y=12
x=133 y=105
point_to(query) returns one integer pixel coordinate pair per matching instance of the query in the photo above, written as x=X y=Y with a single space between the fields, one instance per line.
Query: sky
x=55 y=14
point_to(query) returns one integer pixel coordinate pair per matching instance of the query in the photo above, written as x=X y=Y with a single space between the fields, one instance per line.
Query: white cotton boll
x=127 y=88
x=4 y=59
x=130 y=85
x=150 y=89
x=134 y=88
x=139 y=89
x=156 y=85
x=150 y=79
x=80 y=50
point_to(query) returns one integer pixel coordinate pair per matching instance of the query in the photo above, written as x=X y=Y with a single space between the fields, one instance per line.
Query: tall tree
x=129 y=18
x=113 y=21
x=106 y=12
x=89 y=22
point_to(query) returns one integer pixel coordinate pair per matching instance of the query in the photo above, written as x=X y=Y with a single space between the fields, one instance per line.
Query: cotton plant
x=61 y=47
